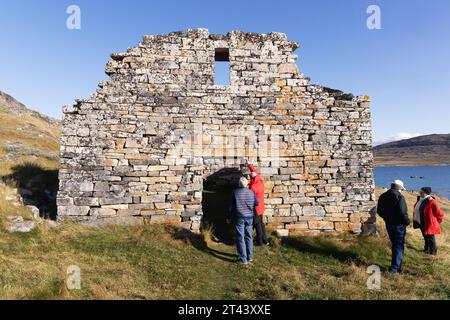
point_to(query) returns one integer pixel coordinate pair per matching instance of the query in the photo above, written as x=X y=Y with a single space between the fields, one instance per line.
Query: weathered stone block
x=103 y=212
x=313 y=211
x=322 y=225
x=73 y=210
x=282 y=233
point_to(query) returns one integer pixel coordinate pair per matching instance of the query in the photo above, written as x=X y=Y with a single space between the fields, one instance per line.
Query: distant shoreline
x=427 y=150
x=411 y=165
x=414 y=192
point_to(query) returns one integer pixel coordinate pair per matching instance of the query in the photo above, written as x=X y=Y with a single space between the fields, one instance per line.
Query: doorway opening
x=217 y=189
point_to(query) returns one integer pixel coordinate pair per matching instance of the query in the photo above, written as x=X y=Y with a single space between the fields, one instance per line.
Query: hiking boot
x=242 y=262
x=394 y=272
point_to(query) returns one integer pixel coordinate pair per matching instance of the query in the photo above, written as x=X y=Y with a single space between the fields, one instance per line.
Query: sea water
x=436 y=177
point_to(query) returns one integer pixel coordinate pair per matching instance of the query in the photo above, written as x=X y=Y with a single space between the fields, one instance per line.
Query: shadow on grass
x=323 y=247
x=318 y=246
x=198 y=241
x=37 y=187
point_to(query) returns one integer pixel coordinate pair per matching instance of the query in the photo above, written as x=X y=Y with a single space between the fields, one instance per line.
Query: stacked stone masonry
x=139 y=149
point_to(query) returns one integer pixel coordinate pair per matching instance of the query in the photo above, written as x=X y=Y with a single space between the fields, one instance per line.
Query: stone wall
x=139 y=149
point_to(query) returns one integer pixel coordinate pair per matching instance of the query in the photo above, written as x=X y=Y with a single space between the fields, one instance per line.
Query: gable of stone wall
x=127 y=153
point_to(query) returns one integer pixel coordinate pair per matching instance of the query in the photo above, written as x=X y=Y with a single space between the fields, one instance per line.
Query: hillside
x=424 y=150
x=26 y=135
x=157 y=262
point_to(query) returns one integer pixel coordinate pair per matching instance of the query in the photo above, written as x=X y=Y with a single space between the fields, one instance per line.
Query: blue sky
x=404 y=67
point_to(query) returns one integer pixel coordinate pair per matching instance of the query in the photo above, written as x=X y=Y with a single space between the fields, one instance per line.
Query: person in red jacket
x=428 y=217
x=257 y=186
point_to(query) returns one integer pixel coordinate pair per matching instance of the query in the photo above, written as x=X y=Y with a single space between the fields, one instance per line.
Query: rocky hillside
x=29 y=159
x=424 y=150
x=26 y=135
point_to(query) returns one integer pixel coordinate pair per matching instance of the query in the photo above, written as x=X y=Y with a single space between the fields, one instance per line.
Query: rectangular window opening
x=222 y=67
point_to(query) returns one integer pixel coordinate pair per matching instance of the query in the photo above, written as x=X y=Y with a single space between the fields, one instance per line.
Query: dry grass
x=28 y=139
x=155 y=262
x=7 y=208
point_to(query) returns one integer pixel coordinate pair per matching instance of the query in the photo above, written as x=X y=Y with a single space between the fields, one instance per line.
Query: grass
x=26 y=138
x=34 y=178
x=162 y=262
x=28 y=130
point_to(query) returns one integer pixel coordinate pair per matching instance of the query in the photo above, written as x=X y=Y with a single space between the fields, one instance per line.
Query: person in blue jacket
x=241 y=211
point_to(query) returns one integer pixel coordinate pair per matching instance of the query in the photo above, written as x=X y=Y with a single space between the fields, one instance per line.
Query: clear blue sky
x=405 y=66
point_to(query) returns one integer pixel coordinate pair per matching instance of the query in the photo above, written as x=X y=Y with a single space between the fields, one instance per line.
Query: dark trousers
x=430 y=243
x=260 y=228
x=397 y=235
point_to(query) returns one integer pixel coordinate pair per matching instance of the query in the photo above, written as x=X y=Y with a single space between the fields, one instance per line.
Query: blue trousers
x=397 y=235
x=244 y=238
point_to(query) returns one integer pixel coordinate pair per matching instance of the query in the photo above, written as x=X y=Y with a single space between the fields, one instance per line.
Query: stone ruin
x=142 y=147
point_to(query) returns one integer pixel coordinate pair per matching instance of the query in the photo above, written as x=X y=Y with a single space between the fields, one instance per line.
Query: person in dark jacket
x=428 y=216
x=241 y=211
x=394 y=211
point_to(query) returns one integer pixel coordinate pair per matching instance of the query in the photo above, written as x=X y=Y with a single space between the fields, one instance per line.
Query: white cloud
x=397 y=136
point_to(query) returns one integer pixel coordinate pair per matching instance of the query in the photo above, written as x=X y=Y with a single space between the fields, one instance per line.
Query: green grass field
x=162 y=262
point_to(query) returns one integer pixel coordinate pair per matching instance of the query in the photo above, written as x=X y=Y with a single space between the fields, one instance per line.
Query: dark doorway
x=217 y=190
